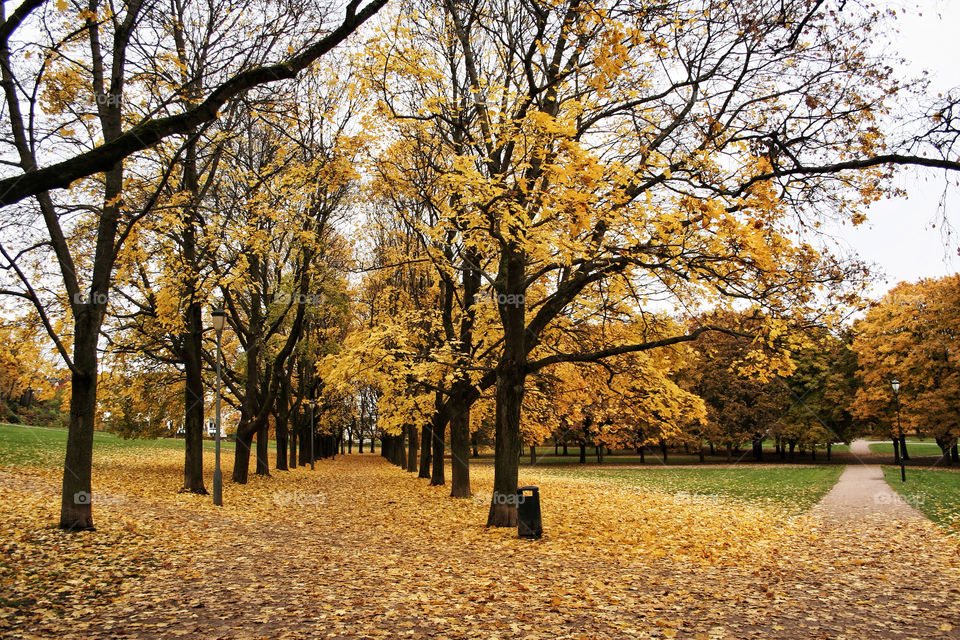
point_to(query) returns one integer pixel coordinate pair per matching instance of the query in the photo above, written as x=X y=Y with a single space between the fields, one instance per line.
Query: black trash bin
x=528 y=512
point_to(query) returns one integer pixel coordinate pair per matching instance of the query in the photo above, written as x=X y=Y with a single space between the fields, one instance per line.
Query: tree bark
x=283 y=419
x=414 y=446
x=583 y=453
x=533 y=454
x=459 y=406
x=193 y=399
x=76 y=513
x=903 y=447
x=438 y=432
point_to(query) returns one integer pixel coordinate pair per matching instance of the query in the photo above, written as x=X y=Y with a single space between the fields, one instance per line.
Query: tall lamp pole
x=895 y=384
x=219 y=322
x=313 y=405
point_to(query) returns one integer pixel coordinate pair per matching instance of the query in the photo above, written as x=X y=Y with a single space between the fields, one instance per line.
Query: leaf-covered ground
x=360 y=549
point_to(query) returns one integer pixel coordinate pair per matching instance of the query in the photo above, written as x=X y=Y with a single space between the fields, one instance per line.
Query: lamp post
x=219 y=321
x=895 y=384
x=313 y=405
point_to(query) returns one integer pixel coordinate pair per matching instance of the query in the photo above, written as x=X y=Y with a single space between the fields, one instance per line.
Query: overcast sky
x=904 y=236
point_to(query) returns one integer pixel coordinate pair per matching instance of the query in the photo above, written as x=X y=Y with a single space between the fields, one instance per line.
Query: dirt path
x=861 y=492
x=861 y=448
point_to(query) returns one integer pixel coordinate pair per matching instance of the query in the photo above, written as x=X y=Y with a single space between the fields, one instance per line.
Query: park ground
x=360 y=549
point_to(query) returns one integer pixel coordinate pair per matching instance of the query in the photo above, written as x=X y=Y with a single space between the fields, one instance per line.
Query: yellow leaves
x=62 y=5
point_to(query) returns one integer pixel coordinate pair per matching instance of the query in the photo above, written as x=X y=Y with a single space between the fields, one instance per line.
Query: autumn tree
x=610 y=154
x=910 y=335
x=70 y=92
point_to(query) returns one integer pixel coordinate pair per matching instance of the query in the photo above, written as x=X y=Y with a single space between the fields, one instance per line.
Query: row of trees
x=476 y=209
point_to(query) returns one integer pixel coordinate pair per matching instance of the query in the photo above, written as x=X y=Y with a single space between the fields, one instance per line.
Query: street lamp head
x=313 y=404
x=219 y=319
x=896 y=385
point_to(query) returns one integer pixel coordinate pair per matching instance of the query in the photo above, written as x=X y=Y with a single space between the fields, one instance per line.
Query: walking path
x=861 y=492
x=860 y=448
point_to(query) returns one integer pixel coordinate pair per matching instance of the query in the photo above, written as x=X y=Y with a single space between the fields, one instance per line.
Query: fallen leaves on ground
x=358 y=548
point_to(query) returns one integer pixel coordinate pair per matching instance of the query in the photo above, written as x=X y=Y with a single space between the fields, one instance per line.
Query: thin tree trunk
x=193 y=399
x=533 y=454
x=294 y=434
x=283 y=419
x=459 y=407
x=438 y=432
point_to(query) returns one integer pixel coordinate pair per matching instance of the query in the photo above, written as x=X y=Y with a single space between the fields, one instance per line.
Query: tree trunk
x=702 y=458
x=565 y=448
x=76 y=513
x=283 y=420
x=954 y=453
x=263 y=449
x=556 y=447
x=510 y=377
x=294 y=434
x=437 y=478
x=712 y=450
x=459 y=407
x=241 y=457
x=663 y=448
x=758 y=449
x=583 y=453
x=303 y=429
x=896 y=450
x=400 y=450
x=414 y=446
x=249 y=409
x=729 y=452
x=533 y=454
x=792 y=444
x=193 y=400
x=829 y=447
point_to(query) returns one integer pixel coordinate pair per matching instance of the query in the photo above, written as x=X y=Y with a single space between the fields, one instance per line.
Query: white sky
x=904 y=237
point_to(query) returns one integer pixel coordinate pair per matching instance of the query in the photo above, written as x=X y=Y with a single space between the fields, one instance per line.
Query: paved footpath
x=862 y=492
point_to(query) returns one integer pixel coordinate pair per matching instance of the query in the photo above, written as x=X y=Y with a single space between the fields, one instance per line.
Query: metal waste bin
x=529 y=524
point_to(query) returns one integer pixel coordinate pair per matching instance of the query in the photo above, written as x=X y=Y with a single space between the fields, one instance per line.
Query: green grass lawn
x=914 y=448
x=793 y=489
x=935 y=492
x=45 y=446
